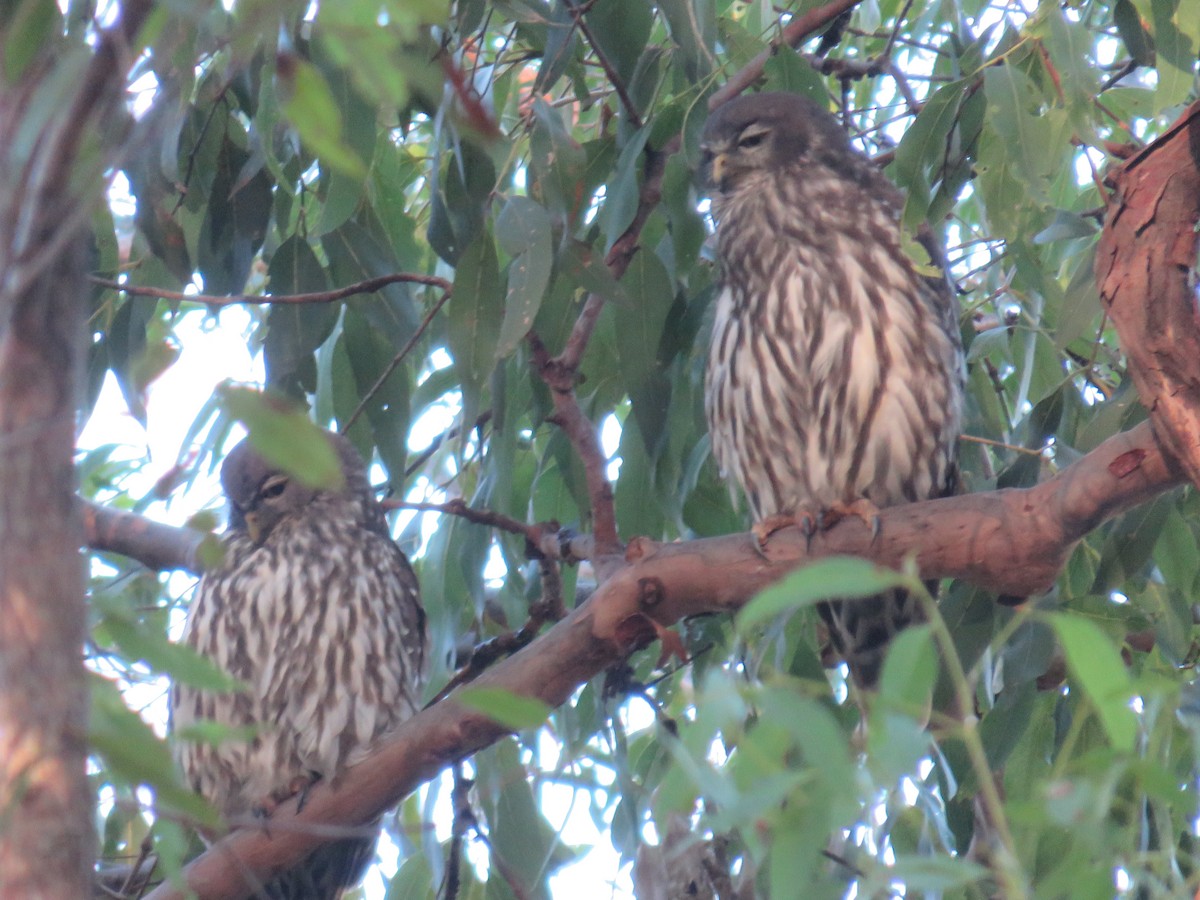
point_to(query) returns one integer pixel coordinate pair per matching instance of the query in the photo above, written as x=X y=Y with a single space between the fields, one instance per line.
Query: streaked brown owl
x=834 y=378
x=317 y=612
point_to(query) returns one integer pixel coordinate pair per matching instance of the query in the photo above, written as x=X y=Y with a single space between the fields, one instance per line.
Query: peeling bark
x=1145 y=270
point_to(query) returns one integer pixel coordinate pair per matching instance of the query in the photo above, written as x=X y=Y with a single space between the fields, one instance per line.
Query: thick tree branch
x=151 y=543
x=1145 y=270
x=1012 y=542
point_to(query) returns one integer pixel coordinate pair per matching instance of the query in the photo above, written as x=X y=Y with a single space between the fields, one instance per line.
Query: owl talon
x=308 y=782
x=763 y=529
x=263 y=812
x=862 y=509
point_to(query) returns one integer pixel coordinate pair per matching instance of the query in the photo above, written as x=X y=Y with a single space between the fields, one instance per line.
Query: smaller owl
x=317 y=612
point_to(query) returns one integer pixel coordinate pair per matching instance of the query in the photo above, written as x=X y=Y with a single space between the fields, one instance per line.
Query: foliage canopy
x=518 y=180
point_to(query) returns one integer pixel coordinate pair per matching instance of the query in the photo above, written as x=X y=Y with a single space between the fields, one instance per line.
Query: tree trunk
x=46 y=846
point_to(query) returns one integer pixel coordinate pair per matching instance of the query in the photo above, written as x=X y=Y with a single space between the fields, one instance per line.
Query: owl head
x=261 y=495
x=770 y=133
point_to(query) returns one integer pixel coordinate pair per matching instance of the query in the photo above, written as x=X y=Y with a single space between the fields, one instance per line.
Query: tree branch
x=367 y=286
x=578 y=14
x=399 y=357
x=1145 y=267
x=796 y=32
x=151 y=543
x=1012 y=542
x=581 y=432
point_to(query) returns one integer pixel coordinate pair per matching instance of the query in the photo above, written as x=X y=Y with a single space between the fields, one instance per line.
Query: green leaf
x=511 y=710
x=922 y=151
x=523 y=231
x=295 y=330
x=909 y=670
x=1101 y=673
x=621 y=197
x=26 y=31
x=648 y=287
x=313 y=111
x=179 y=661
x=840 y=577
x=928 y=874
x=132 y=751
x=476 y=311
x=285 y=439
x=1137 y=42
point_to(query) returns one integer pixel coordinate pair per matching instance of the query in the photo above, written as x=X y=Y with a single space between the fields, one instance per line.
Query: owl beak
x=253 y=526
x=716 y=169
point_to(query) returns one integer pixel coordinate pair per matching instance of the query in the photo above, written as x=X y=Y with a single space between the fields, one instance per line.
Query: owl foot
x=810 y=522
x=298 y=787
x=764 y=528
x=862 y=508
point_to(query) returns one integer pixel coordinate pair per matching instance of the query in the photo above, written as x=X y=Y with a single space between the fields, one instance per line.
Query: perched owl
x=834 y=381
x=316 y=611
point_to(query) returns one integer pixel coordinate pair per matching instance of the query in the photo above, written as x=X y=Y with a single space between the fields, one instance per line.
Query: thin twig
x=796 y=32
x=217 y=103
x=620 y=254
x=459 y=507
x=399 y=357
x=583 y=437
x=448 y=435
x=991 y=443
x=368 y=286
x=610 y=71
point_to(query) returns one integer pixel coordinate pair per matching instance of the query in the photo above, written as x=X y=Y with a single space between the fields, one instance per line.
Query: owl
x=317 y=613
x=834 y=377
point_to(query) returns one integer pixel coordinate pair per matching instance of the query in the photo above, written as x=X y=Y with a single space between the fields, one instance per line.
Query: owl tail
x=325 y=872
x=861 y=630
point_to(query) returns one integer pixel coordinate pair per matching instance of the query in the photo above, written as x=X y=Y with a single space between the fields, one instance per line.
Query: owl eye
x=753 y=139
x=273 y=487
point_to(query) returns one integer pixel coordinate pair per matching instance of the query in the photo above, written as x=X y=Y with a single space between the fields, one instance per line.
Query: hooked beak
x=716 y=170
x=253 y=526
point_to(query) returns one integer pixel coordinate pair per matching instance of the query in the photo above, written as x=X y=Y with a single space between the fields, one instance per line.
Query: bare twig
x=398 y=358
x=447 y=435
x=582 y=434
x=577 y=13
x=796 y=32
x=367 y=286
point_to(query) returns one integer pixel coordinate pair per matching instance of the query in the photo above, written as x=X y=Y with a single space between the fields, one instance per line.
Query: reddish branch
x=610 y=72
x=368 y=286
x=581 y=432
x=1145 y=266
x=1011 y=542
x=795 y=33
x=561 y=373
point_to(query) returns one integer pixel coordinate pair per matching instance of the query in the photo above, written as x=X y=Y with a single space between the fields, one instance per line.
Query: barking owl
x=316 y=611
x=834 y=380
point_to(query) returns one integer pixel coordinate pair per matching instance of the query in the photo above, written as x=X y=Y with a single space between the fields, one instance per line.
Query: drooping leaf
x=285 y=438
x=1101 y=674
x=841 y=577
